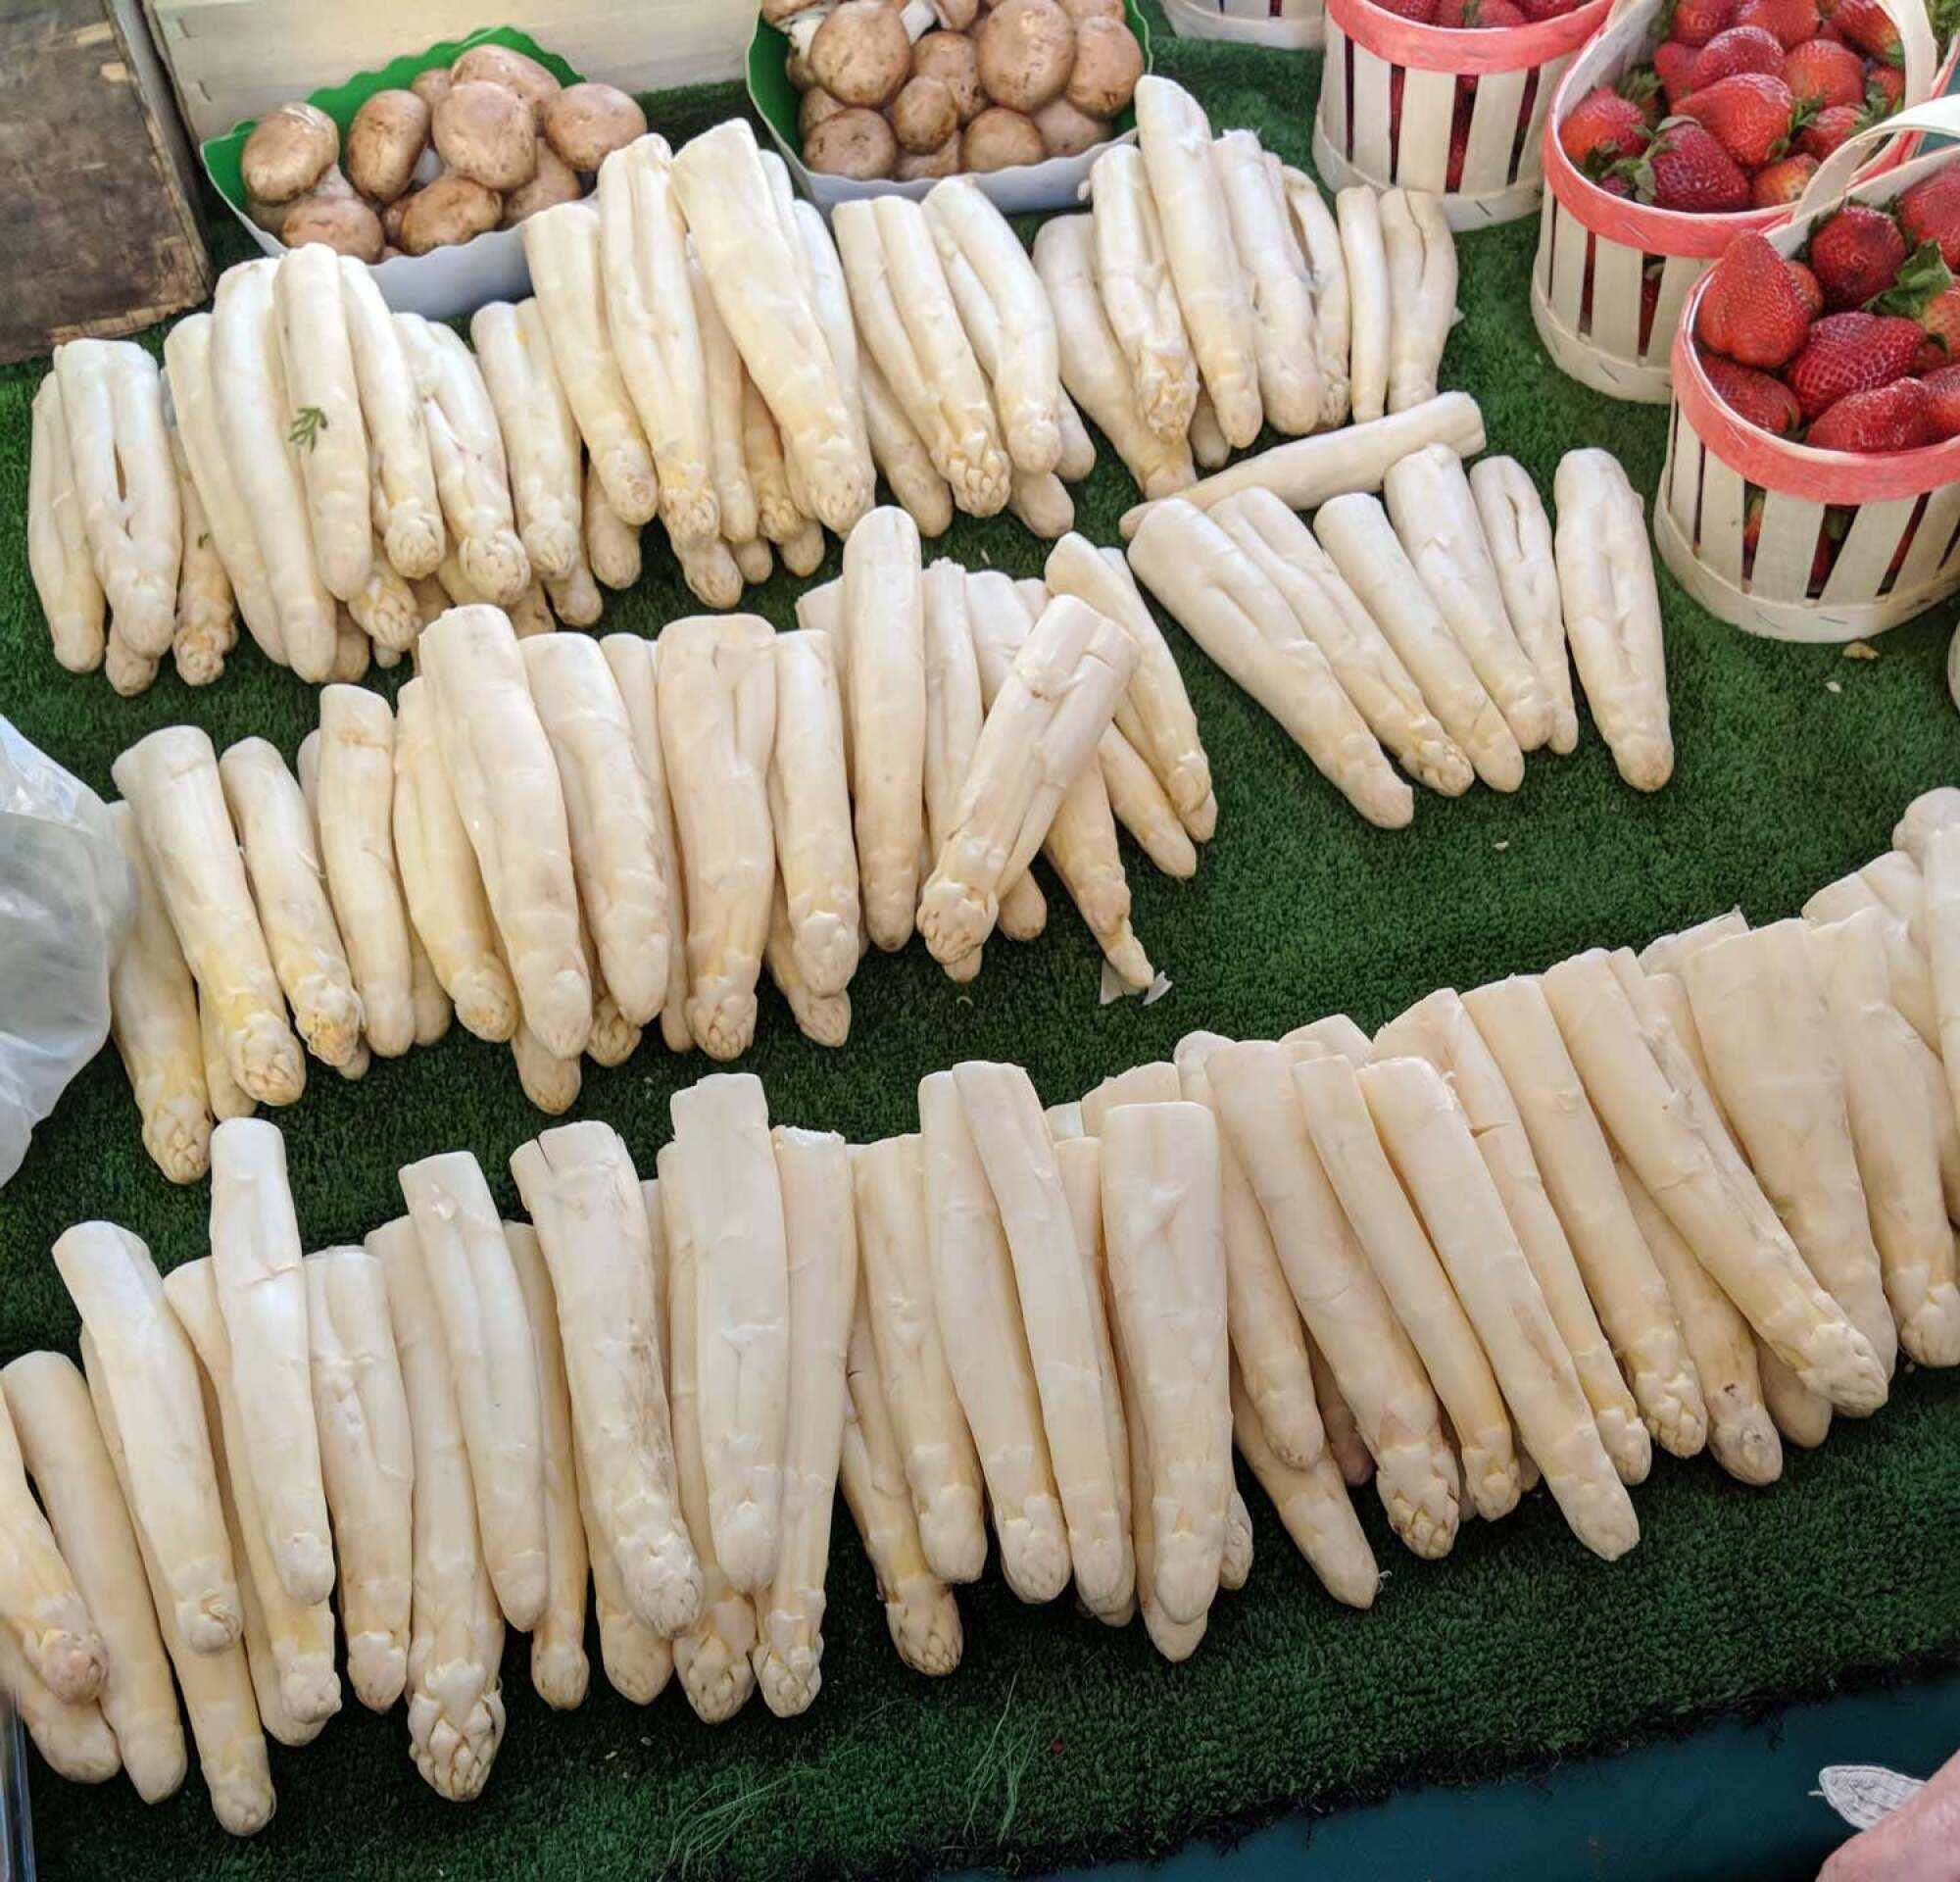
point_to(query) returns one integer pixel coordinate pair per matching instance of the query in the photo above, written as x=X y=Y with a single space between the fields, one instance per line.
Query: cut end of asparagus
x=454 y=1749
x=1747 y=1446
x=924 y=1619
x=560 y=1674
x=177 y=1136
x=1627 y=1445
x=662 y=1582
x=210 y=1622
x=310 y=1691
x=377 y=1668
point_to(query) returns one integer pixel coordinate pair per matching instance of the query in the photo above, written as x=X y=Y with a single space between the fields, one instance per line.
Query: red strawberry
x=1686 y=169
x=1601 y=127
x=1829 y=129
x=1694 y=23
x=1827 y=30
x=1750 y=115
x=1942 y=401
x=1930 y=212
x=1891 y=417
x=1791 y=21
x=1940 y=317
x=1807 y=288
x=1821 y=557
x=1420 y=10
x=1853 y=352
x=1759 y=397
x=1855 y=254
x=1782 y=181
x=1536 y=10
x=1674 y=67
x=1885 y=92
x=1649 y=303
x=1461 y=14
x=1460 y=145
x=1743 y=49
x=1866 y=25
x=1752 y=310
x=1831 y=74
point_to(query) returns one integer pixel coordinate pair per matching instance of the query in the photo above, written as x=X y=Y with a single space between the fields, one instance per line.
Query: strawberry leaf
x=1921 y=280
x=1643 y=84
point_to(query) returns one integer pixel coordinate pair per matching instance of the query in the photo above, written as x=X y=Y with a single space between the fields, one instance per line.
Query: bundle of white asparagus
x=699 y=350
x=561 y=841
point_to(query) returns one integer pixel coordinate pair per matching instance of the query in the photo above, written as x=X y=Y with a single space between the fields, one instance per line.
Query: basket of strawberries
x=1290 y=25
x=1683 y=123
x=1448 y=96
x=1812 y=483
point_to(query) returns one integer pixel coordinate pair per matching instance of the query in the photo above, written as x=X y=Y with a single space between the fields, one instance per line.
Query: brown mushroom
x=862 y=54
x=814 y=107
x=851 y=142
x=342 y=222
x=586 y=124
x=1109 y=62
x=391 y=220
x=556 y=183
x=486 y=134
x=915 y=165
x=956 y=16
x=924 y=115
x=796 y=69
x=451 y=210
x=1026 y=49
x=515 y=72
x=431 y=86
x=385 y=142
x=1066 y=132
x=1081 y=10
x=288 y=152
x=950 y=56
x=1000 y=139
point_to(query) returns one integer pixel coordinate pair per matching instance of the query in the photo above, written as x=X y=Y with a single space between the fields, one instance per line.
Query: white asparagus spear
x=357 y=842
x=1209 y=447
x=153 y=1020
x=1155 y=714
x=1165 y=1248
x=1801 y=1417
x=920 y=1613
x=486 y=1334
x=1420 y=256
x=299 y=1633
x=1327 y=611
x=941 y=1464
x=206 y=623
x=282 y=863
x=367 y=1463
x=539 y=435
x=1372 y=1359
x=579 y=1186
x=612 y=544
x=1647 y=1095
x=561 y=246
x=411 y=512
x=830 y=302
x=560 y=1671
x=1155 y=1082
x=717 y=697
x=1894 y=1138
x=1742 y=1436
x=1139 y=803
x=1319 y=239
x=809 y=807
x=254 y=1250
x=1942 y=923
x=1518 y=534
x=58 y=556
x=821 y=1237
x=954 y=716
x=1132 y=273
x=983 y=1334
x=1235 y=1565
x=1336 y=1109
x=1337 y=1419
x=228 y=1098
x=171 y=781
x=1440 y=1030
x=1003 y=1119
x=62 y=1448
x=1516 y=1025
x=1364 y=255
x=1760 y=1013
x=650 y=319
x=41 y=1610
x=734 y=1205
x=1929 y=811
x=1175 y=1640
x=712 y=1655
x=1218 y=594
x=758 y=291
x=1174 y=139
x=776 y=513
x=1435 y=516
x=608 y=816
x=1284 y=339
x=633 y=664
x=215 y=1682
x=455 y=1700
x=1907 y=969
x=1355 y=531
x=505 y=783
x=900 y=454
x=1269 y=1343
x=1612 y=612
x=723 y=379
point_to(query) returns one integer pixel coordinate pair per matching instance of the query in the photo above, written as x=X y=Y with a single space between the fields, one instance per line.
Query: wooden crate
x=232 y=59
x=98 y=220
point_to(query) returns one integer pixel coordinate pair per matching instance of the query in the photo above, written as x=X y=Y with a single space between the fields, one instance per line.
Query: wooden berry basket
x=1603 y=339
x=1901 y=551
x=1516 y=70
x=1291 y=26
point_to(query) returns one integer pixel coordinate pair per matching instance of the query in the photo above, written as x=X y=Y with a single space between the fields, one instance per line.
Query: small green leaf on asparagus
x=309 y=422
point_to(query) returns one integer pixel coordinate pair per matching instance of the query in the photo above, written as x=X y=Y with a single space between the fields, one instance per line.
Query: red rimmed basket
x=1293 y=25
x=1360 y=138
x=1597 y=253
x=1900 y=550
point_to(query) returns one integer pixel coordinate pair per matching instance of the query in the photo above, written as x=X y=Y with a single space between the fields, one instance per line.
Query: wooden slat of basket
x=1422 y=152
x=1867 y=551
x=1333 y=93
x=1678 y=274
x=1568 y=271
x=1781 y=571
x=1681 y=478
x=1494 y=127
x=1616 y=299
x=1373 y=152
x=1928 y=553
x=1723 y=505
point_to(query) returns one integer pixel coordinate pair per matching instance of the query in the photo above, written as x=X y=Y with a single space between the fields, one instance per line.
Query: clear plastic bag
x=66 y=899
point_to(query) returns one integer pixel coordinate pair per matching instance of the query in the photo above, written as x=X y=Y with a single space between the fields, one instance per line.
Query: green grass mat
x=1056 y=1737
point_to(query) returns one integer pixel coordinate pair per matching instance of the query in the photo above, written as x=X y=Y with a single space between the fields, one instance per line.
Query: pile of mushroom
x=476 y=145
x=936 y=87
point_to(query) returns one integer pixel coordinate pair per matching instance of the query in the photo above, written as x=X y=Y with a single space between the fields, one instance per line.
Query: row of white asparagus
x=1701 y=1198
x=699 y=350
x=560 y=841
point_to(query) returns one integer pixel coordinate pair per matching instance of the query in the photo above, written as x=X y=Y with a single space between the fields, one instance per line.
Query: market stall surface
x=1059 y=1739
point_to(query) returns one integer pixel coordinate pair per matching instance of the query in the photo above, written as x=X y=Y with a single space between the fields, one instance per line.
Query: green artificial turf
x=1057 y=1737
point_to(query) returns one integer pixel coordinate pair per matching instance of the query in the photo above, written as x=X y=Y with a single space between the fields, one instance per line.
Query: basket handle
x=1940 y=116
x=1617 y=12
